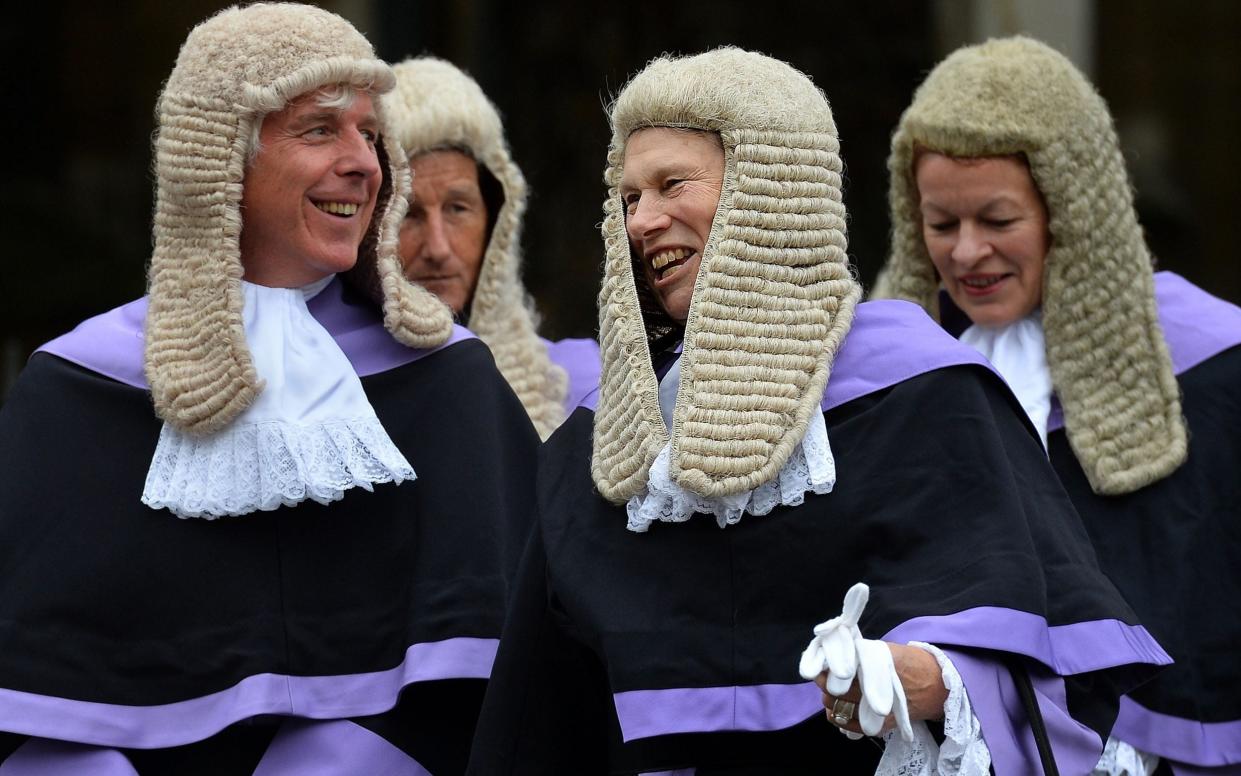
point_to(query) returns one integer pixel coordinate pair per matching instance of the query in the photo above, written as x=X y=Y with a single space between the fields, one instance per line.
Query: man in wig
x=461 y=237
x=260 y=521
x=762 y=448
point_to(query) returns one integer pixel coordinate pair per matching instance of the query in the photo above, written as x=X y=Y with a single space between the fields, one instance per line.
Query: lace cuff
x=810 y=469
x=262 y=466
x=964 y=752
x=1121 y=759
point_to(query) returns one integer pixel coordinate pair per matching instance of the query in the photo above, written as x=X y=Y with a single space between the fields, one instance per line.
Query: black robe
x=1174 y=547
x=677 y=649
x=265 y=643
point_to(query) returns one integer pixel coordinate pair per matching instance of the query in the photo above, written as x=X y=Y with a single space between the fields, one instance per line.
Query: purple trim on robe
x=1196 y=326
x=184 y=722
x=646 y=713
x=580 y=360
x=890 y=342
x=335 y=748
x=1065 y=649
x=1005 y=724
x=41 y=757
x=1075 y=648
x=360 y=332
x=1202 y=744
x=111 y=344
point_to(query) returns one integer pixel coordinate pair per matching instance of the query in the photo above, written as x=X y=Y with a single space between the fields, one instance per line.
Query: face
x=444 y=234
x=671 y=189
x=985 y=227
x=308 y=197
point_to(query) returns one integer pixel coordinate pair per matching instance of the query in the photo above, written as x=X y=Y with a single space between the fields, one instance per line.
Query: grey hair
x=333 y=96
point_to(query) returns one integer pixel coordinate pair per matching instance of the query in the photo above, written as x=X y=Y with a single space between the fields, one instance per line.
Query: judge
x=261 y=520
x=760 y=443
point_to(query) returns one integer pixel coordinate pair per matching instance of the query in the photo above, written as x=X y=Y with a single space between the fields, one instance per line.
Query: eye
x=371 y=136
x=631 y=201
x=673 y=183
x=321 y=130
x=940 y=227
x=1000 y=223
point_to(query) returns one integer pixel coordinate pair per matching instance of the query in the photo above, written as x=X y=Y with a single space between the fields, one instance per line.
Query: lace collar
x=311 y=433
x=809 y=469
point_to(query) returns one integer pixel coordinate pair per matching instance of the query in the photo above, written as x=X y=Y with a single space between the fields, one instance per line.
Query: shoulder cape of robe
x=1174 y=547
x=360 y=633
x=678 y=649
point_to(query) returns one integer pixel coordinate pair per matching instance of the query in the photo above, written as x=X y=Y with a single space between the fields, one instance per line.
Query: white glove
x=839 y=649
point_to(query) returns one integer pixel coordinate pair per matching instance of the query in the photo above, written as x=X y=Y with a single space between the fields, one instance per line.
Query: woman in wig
x=1013 y=225
x=760 y=448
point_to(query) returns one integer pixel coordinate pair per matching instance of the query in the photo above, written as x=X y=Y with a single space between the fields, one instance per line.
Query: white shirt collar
x=1018 y=351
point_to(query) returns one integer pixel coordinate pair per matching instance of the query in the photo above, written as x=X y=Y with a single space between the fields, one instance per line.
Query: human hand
x=920 y=677
x=842 y=662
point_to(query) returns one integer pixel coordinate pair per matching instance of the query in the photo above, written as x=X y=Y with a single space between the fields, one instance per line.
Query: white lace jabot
x=1019 y=353
x=311 y=433
x=809 y=469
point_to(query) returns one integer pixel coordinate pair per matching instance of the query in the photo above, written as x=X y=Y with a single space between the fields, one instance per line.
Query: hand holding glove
x=839 y=650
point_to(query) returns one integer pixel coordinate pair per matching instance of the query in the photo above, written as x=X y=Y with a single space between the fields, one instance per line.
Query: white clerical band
x=809 y=469
x=1019 y=353
x=311 y=434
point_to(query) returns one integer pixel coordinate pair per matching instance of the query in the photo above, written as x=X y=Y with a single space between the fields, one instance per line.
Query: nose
x=436 y=247
x=647 y=219
x=971 y=244
x=358 y=156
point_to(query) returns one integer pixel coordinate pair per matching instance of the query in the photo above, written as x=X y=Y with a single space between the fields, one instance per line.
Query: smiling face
x=671 y=189
x=985 y=227
x=444 y=235
x=309 y=194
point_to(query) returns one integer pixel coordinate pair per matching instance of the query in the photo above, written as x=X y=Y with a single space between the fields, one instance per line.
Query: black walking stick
x=1025 y=689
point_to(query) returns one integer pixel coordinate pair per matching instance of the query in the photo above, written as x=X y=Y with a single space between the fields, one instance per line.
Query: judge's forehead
x=651 y=150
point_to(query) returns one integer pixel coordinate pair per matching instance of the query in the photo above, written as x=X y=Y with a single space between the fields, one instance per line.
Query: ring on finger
x=842 y=712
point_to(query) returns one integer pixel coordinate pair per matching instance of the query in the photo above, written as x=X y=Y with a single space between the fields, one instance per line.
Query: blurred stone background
x=82 y=78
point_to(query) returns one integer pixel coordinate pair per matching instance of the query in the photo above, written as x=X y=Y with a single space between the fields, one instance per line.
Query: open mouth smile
x=339 y=209
x=668 y=263
x=981 y=285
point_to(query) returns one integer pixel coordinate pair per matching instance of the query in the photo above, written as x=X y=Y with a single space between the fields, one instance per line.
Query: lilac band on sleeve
x=183 y=722
x=334 y=748
x=41 y=757
x=1005 y=724
x=1066 y=649
x=1210 y=745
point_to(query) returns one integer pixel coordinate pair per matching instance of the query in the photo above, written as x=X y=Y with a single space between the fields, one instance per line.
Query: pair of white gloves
x=839 y=649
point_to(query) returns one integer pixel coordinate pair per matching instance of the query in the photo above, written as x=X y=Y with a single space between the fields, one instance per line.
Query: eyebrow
x=665 y=170
x=989 y=204
x=330 y=115
x=461 y=192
